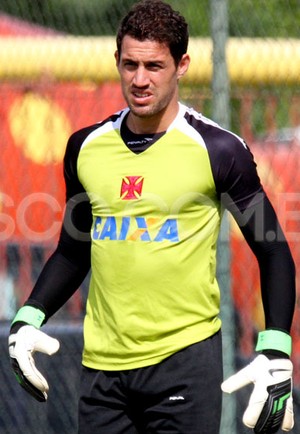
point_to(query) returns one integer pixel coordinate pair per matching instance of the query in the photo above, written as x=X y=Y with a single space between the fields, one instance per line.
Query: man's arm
x=60 y=278
x=270 y=405
x=239 y=188
x=263 y=233
x=66 y=269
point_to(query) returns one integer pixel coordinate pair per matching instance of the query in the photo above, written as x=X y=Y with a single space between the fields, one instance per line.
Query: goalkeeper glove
x=22 y=346
x=271 y=404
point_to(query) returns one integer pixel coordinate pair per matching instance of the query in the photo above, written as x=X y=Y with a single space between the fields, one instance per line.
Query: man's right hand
x=22 y=346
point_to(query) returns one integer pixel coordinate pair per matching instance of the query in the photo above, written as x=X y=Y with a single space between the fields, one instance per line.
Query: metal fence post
x=221 y=114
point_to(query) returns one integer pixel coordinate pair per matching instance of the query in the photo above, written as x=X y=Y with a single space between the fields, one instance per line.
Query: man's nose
x=141 y=77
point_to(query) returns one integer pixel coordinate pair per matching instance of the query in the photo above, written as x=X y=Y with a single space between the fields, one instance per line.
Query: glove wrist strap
x=31 y=315
x=274 y=340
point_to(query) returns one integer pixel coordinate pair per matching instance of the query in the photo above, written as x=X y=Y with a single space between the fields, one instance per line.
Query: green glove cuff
x=274 y=340
x=31 y=315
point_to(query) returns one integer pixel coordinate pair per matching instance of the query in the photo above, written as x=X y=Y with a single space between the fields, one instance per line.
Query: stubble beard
x=149 y=111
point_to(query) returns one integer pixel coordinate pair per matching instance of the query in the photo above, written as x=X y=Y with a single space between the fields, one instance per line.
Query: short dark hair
x=157 y=21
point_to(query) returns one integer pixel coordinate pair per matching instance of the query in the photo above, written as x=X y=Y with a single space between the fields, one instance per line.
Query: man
x=144 y=190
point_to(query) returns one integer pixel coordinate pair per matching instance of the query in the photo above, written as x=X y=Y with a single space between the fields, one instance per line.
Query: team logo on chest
x=131 y=187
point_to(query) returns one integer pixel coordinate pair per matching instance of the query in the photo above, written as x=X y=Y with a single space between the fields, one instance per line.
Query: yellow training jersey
x=156 y=217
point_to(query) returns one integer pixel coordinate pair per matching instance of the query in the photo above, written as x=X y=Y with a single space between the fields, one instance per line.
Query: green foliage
x=88 y=17
x=264 y=18
x=197 y=14
x=248 y=18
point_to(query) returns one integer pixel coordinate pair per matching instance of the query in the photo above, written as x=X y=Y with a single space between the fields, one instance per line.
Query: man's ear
x=183 y=65
x=117 y=57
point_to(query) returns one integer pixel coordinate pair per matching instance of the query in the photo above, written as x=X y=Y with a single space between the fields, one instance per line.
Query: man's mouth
x=141 y=96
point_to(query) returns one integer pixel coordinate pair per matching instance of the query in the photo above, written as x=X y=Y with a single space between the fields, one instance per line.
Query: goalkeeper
x=145 y=191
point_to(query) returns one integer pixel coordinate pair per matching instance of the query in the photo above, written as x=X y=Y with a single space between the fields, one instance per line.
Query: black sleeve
x=262 y=231
x=69 y=264
x=240 y=191
x=65 y=270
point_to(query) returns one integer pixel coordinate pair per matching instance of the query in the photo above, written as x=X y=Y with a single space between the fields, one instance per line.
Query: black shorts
x=180 y=395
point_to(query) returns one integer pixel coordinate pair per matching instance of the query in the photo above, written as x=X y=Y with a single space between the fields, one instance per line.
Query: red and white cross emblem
x=131 y=187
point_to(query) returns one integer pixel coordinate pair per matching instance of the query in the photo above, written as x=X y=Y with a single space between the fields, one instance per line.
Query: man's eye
x=154 y=67
x=129 y=64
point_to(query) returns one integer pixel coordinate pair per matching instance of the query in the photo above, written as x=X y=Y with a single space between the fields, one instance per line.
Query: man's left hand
x=271 y=404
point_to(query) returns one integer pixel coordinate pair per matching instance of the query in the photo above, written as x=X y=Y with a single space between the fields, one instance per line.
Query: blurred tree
x=264 y=18
x=249 y=18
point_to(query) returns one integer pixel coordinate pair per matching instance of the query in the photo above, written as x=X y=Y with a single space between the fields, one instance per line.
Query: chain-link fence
x=57 y=74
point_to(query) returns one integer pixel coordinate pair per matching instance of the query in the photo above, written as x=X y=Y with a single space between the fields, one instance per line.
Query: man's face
x=149 y=79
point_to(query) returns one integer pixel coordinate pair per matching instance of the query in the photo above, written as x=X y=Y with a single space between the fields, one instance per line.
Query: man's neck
x=150 y=124
x=138 y=143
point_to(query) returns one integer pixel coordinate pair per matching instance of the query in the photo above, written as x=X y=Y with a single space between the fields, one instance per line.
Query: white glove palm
x=271 y=404
x=22 y=346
